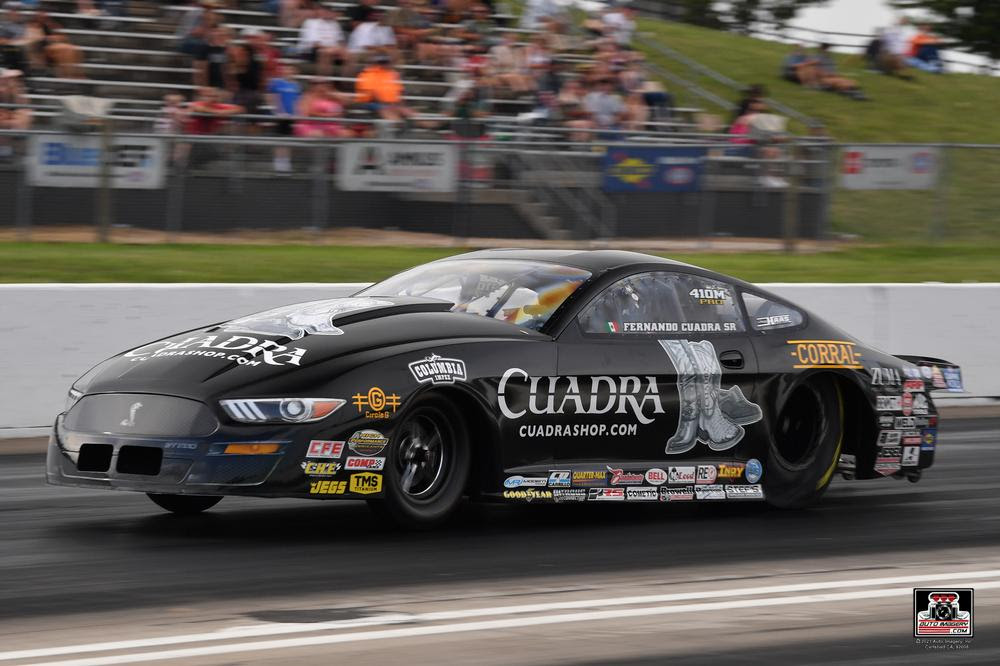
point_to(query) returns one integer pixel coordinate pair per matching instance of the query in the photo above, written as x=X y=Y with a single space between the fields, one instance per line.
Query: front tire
x=427 y=467
x=805 y=445
x=184 y=505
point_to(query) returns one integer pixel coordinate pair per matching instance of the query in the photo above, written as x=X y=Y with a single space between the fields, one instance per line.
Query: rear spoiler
x=938 y=374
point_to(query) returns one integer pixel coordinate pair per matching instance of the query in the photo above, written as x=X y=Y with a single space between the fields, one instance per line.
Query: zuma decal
x=379 y=404
x=437 y=370
x=241 y=349
x=296 y=321
x=708 y=413
x=825 y=354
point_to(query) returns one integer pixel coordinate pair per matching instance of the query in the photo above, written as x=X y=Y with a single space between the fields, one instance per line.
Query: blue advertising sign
x=667 y=169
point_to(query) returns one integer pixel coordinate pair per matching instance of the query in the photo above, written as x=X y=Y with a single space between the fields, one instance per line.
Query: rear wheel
x=185 y=505
x=427 y=467
x=805 y=445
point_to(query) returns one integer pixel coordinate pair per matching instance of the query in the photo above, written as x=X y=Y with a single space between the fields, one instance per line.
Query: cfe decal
x=824 y=354
x=708 y=413
x=296 y=321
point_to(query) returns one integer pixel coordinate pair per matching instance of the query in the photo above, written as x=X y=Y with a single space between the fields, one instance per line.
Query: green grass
x=82 y=262
x=954 y=108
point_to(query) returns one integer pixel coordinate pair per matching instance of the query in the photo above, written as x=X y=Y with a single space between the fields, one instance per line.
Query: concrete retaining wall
x=52 y=334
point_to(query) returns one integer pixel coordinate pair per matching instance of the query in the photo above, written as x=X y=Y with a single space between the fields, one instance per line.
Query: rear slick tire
x=805 y=445
x=427 y=467
x=184 y=505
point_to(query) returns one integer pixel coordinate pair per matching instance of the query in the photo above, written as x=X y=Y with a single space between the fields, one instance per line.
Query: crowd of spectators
x=587 y=83
x=31 y=41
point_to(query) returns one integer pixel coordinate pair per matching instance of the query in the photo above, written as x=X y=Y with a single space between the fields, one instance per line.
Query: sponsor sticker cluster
x=325 y=458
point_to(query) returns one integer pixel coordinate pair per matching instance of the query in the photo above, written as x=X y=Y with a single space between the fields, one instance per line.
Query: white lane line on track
x=485 y=625
x=232 y=633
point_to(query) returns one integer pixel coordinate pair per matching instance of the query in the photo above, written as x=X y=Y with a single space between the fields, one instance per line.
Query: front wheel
x=805 y=445
x=427 y=466
x=185 y=505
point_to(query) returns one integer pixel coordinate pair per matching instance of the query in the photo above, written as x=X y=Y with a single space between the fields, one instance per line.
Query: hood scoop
x=325 y=317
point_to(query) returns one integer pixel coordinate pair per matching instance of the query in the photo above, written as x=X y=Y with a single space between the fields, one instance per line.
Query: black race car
x=533 y=376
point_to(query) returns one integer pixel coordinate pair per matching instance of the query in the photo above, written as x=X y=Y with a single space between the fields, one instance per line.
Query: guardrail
x=56 y=332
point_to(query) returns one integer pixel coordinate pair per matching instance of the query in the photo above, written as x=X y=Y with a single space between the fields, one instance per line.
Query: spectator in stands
x=829 y=79
x=379 y=88
x=14 y=40
x=619 y=24
x=372 y=36
x=213 y=62
x=895 y=46
x=478 y=31
x=469 y=100
x=799 y=67
x=605 y=107
x=50 y=47
x=321 y=41
x=573 y=113
x=754 y=93
x=173 y=116
x=322 y=102
x=536 y=11
x=283 y=93
x=209 y=113
x=925 y=51
x=413 y=31
x=253 y=63
x=360 y=13
x=291 y=13
x=510 y=67
x=12 y=92
x=195 y=27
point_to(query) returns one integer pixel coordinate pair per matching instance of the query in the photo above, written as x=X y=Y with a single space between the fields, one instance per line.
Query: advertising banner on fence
x=889 y=167
x=398 y=167
x=74 y=160
x=653 y=169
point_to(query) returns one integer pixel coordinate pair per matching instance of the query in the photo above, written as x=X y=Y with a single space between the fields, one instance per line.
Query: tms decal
x=366 y=483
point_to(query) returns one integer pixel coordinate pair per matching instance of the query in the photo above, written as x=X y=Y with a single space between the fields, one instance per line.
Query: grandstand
x=542 y=171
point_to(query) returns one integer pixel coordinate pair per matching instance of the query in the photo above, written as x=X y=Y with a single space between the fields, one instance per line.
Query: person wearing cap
x=379 y=88
x=321 y=40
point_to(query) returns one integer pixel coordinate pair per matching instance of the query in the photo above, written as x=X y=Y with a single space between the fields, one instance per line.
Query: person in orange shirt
x=924 y=51
x=379 y=89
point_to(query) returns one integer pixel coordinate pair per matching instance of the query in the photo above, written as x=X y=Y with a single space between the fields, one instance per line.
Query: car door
x=670 y=362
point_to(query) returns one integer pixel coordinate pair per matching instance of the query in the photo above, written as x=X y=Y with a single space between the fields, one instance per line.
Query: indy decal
x=708 y=413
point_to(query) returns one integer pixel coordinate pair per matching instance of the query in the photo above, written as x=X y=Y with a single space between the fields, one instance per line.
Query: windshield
x=525 y=293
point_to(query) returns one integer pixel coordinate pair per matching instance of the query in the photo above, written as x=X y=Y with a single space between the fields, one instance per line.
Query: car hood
x=312 y=341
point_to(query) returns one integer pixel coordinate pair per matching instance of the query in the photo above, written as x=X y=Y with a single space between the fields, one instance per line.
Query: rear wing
x=938 y=374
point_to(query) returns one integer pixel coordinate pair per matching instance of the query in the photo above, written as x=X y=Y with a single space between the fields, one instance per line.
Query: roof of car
x=592 y=260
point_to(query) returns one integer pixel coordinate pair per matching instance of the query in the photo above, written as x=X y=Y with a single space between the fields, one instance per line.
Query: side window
x=767 y=315
x=663 y=303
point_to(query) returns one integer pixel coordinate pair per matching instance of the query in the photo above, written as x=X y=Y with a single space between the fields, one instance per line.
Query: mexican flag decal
x=613 y=327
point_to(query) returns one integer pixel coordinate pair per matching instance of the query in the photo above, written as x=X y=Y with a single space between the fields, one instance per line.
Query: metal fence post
x=791 y=216
x=706 y=199
x=103 y=208
x=320 y=187
x=176 y=181
x=939 y=221
x=25 y=196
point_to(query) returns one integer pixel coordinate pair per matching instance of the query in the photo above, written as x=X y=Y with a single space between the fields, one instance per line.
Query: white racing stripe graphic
x=969 y=578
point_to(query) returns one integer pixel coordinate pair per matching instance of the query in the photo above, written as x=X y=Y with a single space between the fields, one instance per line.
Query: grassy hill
x=954 y=108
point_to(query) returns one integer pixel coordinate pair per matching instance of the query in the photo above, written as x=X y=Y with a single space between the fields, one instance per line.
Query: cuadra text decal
x=243 y=349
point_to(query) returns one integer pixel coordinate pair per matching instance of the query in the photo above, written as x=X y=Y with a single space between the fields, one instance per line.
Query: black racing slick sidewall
x=800 y=485
x=404 y=510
